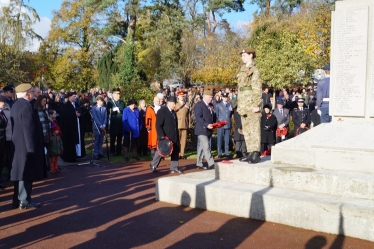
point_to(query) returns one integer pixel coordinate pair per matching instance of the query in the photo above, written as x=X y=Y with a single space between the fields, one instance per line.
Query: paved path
x=114 y=207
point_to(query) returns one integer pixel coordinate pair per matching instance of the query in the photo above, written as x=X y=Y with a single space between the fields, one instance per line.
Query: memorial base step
x=331 y=182
x=319 y=212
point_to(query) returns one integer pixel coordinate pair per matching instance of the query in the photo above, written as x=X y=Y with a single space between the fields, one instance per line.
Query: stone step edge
x=337 y=183
x=318 y=212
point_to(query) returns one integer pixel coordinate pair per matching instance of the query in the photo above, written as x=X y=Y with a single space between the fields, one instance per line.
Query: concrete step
x=319 y=212
x=331 y=182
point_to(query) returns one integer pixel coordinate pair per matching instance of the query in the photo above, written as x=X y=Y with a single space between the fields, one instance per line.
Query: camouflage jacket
x=249 y=89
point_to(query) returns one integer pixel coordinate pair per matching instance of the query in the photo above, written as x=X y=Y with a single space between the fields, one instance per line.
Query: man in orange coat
x=150 y=123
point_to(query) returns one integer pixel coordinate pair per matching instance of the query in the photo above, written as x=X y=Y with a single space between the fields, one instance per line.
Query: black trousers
x=116 y=148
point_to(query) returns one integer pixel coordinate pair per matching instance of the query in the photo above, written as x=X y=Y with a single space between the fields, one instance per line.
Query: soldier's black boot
x=246 y=158
x=254 y=157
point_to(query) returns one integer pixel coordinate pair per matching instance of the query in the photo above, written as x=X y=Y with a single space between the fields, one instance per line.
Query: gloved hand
x=115 y=109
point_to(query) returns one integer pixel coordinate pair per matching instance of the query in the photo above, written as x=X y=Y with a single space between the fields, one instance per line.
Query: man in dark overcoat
x=115 y=108
x=167 y=125
x=27 y=165
x=71 y=124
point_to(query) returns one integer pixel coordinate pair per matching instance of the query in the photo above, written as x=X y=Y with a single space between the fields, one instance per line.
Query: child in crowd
x=55 y=148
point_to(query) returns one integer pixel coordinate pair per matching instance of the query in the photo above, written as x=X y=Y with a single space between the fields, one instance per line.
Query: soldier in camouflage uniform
x=249 y=103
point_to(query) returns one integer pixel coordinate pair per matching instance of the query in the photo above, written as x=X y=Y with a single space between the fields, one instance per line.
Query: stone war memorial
x=322 y=180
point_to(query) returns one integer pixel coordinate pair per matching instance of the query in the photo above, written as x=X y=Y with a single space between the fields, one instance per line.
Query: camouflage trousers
x=251 y=131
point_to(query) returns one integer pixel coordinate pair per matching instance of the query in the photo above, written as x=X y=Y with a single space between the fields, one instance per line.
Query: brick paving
x=114 y=206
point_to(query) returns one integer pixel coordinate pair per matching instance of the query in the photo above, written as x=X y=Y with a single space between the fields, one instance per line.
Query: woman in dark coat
x=71 y=124
x=268 y=128
x=3 y=125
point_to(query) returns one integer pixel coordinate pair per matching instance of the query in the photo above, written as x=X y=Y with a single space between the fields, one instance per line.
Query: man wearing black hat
x=9 y=94
x=283 y=118
x=300 y=117
x=224 y=112
x=115 y=108
x=323 y=95
x=167 y=126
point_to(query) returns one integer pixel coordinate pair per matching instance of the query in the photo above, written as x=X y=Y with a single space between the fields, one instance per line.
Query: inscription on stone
x=351 y=27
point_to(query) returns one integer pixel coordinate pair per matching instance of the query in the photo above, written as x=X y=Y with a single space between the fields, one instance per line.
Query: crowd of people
x=41 y=127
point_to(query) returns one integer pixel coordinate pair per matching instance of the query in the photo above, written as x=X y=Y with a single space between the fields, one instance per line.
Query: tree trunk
x=268 y=8
x=215 y=24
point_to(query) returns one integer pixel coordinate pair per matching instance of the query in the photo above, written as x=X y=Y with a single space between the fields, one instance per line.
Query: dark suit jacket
x=285 y=119
x=203 y=117
x=167 y=125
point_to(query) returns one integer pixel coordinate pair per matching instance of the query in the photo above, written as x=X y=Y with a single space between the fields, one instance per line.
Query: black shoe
x=254 y=157
x=246 y=159
x=228 y=156
x=28 y=205
x=201 y=167
x=136 y=158
x=153 y=168
x=211 y=167
x=220 y=156
x=176 y=171
x=126 y=158
x=15 y=204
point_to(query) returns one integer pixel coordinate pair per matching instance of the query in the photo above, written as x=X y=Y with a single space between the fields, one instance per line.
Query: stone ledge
x=324 y=213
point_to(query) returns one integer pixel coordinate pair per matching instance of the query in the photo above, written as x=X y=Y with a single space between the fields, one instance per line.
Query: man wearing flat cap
x=249 y=103
x=167 y=126
x=25 y=166
x=224 y=112
x=323 y=95
x=9 y=94
x=204 y=117
x=300 y=116
x=115 y=108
